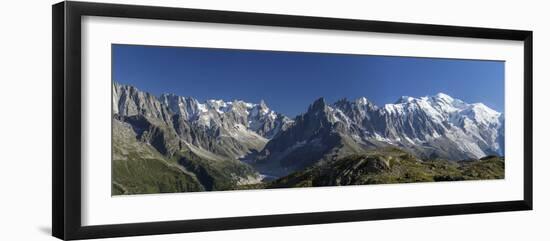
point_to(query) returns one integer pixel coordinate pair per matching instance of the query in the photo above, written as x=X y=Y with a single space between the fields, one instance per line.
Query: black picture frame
x=66 y=75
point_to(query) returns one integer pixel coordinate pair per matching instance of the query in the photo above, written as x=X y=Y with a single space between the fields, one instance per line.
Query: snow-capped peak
x=481 y=114
x=484 y=108
x=444 y=96
x=474 y=129
x=262 y=108
x=219 y=106
x=404 y=99
x=441 y=106
x=362 y=101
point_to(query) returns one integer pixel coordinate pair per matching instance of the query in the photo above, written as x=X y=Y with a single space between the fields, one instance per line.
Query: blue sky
x=290 y=81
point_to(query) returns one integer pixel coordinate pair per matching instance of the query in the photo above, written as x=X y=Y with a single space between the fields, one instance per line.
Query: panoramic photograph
x=188 y=119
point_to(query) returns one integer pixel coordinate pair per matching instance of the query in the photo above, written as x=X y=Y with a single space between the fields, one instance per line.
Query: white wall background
x=25 y=107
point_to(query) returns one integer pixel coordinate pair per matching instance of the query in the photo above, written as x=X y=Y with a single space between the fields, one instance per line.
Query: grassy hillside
x=391 y=165
x=141 y=176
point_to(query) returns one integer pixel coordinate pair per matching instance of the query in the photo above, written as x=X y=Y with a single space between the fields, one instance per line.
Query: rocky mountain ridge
x=218 y=144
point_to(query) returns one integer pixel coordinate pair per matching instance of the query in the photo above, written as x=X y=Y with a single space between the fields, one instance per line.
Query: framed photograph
x=169 y=120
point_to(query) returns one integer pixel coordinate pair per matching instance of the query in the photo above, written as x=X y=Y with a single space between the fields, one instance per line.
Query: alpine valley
x=171 y=143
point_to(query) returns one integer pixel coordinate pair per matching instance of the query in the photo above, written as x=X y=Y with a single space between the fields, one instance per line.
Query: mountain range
x=185 y=145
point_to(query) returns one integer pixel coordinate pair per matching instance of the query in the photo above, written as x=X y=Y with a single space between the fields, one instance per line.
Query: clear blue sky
x=290 y=81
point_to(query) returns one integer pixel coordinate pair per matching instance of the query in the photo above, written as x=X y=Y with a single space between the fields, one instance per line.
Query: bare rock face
x=129 y=101
x=230 y=129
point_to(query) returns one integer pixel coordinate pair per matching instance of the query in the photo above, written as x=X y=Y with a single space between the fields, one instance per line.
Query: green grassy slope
x=141 y=176
x=138 y=168
x=391 y=165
